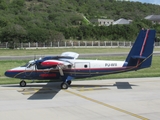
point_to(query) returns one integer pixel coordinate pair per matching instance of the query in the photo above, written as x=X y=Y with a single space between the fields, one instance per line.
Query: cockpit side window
x=30 y=65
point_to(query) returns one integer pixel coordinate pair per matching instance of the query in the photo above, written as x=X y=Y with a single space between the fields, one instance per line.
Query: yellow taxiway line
x=107 y=105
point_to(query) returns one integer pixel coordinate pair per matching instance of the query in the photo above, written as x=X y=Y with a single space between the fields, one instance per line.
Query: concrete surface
x=113 y=99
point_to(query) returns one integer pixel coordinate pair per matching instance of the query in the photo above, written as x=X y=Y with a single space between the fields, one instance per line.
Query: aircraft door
x=82 y=69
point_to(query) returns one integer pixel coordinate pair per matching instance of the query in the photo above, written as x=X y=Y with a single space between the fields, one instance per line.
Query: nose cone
x=17 y=72
x=8 y=73
x=11 y=73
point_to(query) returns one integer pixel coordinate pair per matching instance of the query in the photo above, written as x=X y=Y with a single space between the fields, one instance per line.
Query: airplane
x=67 y=66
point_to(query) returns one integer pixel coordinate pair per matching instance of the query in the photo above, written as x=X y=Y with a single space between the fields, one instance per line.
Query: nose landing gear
x=22 y=83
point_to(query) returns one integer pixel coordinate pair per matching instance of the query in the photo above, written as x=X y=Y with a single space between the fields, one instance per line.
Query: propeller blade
x=60 y=71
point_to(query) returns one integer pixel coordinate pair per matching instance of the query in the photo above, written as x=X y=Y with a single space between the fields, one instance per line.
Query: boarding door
x=82 y=69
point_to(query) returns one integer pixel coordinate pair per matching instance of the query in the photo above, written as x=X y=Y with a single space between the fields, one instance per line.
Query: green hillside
x=56 y=20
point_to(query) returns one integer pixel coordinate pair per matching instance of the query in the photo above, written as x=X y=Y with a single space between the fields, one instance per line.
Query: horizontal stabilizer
x=139 y=57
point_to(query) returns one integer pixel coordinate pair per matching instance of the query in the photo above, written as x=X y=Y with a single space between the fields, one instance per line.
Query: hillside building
x=122 y=21
x=102 y=22
x=154 y=18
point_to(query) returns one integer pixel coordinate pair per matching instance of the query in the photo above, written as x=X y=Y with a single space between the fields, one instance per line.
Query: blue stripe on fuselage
x=88 y=72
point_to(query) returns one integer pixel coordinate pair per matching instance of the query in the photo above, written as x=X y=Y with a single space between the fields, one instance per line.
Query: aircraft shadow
x=48 y=91
x=119 y=85
x=123 y=85
x=51 y=89
x=39 y=91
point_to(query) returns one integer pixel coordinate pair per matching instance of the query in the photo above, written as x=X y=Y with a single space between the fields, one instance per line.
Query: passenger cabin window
x=69 y=66
x=85 y=66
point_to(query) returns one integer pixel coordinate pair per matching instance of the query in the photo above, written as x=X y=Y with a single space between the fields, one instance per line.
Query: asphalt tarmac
x=113 y=99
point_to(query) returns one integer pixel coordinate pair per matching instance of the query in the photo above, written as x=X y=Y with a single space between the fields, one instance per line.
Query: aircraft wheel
x=22 y=83
x=64 y=85
x=69 y=82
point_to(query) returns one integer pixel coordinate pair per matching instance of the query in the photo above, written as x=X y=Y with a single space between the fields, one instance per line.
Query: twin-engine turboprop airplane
x=67 y=66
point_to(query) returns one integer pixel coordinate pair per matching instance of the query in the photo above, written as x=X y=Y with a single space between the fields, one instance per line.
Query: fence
x=69 y=44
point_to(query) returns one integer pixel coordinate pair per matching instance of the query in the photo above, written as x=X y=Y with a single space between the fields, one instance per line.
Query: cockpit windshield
x=29 y=64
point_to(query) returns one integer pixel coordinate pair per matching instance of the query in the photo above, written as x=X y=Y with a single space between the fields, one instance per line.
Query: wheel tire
x=69 y=82
x=22 y=83
x=64 y=85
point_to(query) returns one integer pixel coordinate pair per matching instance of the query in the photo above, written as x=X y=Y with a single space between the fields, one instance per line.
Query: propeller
x=60 y=70
x=34 y=62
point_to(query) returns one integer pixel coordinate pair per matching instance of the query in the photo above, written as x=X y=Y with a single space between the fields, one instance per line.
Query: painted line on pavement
x=107 y=105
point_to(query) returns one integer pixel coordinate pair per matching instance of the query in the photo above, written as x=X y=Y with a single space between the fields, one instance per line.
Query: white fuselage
x=80 y=64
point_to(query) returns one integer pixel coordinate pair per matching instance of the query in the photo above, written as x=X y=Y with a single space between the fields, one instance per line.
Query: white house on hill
x=102 y=22
x=122 y=21
x=153 y=18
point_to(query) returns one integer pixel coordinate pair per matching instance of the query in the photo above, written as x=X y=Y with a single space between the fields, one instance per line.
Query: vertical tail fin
x=142 y=50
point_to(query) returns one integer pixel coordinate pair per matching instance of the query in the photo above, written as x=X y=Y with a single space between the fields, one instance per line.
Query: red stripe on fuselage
x=116 y=68
x=47 y=70
x=48 y=75
x=16 y=70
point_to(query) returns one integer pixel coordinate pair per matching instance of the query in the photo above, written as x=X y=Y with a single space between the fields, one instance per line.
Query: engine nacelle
x=51 y=63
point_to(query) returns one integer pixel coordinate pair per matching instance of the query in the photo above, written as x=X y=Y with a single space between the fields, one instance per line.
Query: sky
x=149 y=1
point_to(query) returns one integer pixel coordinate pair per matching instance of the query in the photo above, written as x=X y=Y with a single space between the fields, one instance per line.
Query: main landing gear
x=22 y=83
x=65 y=85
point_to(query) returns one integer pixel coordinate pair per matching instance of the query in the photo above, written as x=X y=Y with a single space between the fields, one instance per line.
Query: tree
x=36 y=34
x=13 y=34
x=3 y=5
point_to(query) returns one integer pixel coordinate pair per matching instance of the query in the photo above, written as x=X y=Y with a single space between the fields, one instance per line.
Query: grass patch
x=153 y=71
x=5 y=65
x=21 y=52
x=55 y=51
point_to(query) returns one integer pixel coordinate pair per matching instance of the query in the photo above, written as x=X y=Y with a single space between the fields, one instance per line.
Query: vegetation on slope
x=56 y=20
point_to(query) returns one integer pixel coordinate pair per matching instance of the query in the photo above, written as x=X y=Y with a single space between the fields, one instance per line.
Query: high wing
x=70 y=54
x=59 y=60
